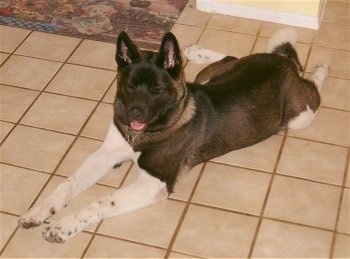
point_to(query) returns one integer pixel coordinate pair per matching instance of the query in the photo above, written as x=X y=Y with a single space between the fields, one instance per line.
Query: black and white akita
x=165 y=125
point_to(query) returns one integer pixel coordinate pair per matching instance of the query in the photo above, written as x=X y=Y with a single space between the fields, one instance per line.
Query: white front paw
x=59 y=232
x=35 y=216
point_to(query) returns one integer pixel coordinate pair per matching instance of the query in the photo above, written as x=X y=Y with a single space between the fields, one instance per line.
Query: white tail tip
x=282 y=36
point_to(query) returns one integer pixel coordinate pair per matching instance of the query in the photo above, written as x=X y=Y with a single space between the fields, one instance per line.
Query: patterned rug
x=145 y=21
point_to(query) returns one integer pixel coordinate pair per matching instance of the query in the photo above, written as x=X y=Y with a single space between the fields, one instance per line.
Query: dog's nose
x=136 y=113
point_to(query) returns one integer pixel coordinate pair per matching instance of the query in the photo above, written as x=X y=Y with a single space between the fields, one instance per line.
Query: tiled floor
x=285 y=197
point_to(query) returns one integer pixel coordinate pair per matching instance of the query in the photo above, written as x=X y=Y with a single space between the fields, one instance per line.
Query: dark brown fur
x=245 y=101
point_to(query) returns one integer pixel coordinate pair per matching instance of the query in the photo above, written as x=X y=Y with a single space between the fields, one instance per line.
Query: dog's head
x=150 y=84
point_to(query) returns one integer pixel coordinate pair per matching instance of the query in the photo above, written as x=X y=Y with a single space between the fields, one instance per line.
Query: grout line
x=241 y=167
x=261 y=216
x=130 y=241
x=91 y=240
x=257 y=35
x=331 y=254
x=184 y=213
x=9 y=240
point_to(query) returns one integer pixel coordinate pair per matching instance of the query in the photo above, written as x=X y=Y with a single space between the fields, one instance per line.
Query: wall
x=303 y=13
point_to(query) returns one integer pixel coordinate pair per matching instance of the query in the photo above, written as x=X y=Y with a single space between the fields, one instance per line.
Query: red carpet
x=145 y=21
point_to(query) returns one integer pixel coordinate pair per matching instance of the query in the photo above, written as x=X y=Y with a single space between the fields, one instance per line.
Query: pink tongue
x=137 y=126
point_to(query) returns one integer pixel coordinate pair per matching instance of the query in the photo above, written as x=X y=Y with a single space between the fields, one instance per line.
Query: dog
x=165 y=125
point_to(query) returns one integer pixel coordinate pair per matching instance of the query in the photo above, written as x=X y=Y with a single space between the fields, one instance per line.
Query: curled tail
x=283 y=43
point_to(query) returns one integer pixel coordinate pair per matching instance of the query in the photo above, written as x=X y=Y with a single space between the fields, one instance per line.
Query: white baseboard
x=311 y=22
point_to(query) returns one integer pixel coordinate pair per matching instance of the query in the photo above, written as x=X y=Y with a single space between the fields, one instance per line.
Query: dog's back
x=245 y=101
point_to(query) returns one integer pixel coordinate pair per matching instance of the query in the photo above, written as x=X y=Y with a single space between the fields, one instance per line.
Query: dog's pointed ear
x=170 y=55
x=126 y=52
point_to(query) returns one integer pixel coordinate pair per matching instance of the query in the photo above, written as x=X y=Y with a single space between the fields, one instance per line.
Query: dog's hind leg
x=114 y=150
x=319 y=74
x=144 y=191
x=305 y=117
x=215 y=71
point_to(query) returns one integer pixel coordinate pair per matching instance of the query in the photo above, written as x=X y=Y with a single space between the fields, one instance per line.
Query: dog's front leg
x=144 y=191
x=114 y=150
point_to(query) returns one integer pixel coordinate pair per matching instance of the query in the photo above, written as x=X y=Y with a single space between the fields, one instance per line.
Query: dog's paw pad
x=54 y=234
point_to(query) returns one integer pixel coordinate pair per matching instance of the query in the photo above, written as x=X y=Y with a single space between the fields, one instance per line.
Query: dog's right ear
x=127 y=52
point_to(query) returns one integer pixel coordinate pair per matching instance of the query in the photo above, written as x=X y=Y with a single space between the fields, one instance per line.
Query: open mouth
x=138 y=126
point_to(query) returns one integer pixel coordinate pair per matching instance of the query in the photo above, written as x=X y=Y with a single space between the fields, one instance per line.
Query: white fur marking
x=145 y=190
x=201 y=55
x=303 y=120
x=282 y=36
x=319 y=74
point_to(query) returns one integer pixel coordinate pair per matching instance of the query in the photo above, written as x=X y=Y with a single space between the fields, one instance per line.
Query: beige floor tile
x=110 y=95
x=95 y=54
x=341 y=247
x=302 y=49
x=30 y=244
x=213 y=233
x=344 y=223
x=185 y=34
x=82 y=81
x=192 y=16
x=5 y=128
x=314 y=161
x=153 y=225
x=337 y=60
x=8 y=224
x=34 y=148
x=80 y=151
x=19 y=71
x=261 y=156
x=3 y=57
x=232 y=188
x=335 y=93
x=131 y=176
x=229 y=43
x=11 y=37
x=61 y=113
x=234 y=24
x=303 y=202
x=304 y=35
x=192 y=70
x=114 y=248
x=329 y=35
x=179 y=255
x=48 y=46
x=98 y=124
x=283 y=240
x=15 y=178
x=10 y=108
x=330 y=126
x=206 y=232
x=337 y=12
x=185 y=183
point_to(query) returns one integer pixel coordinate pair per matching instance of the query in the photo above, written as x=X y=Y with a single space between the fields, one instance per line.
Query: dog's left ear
x=170 y=55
